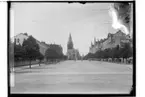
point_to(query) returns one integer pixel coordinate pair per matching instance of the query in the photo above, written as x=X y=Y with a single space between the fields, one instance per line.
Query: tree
x=51 y=54
x=126 y=50
x=57 y=48
x=124 y=13
x=64 y=57
x=40 y=57
x=116 y=51
x=19 y=52
x=31 y=49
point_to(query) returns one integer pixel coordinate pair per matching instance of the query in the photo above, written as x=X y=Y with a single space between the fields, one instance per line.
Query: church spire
x=91 y=44
x=70 y=43
x=94 y=40
x=70 y=38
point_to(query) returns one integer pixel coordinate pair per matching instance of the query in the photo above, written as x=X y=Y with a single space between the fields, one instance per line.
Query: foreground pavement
x=74 y=77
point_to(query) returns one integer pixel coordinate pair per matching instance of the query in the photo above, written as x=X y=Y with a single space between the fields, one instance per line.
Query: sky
x=53 y=22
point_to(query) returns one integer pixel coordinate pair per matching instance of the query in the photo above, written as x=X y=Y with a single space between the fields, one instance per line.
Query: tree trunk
x=39 y=62
x=30 y=63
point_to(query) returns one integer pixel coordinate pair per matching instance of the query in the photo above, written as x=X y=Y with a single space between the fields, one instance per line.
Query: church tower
x=94 y=41
x=72 y=53
x=70 y=42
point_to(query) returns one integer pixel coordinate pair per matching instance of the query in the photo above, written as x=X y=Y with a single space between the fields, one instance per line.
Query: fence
x=33 y=62
x=115 y=60
x=25 y=63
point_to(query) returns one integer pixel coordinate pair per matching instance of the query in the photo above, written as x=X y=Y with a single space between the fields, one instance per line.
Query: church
x=72 y=54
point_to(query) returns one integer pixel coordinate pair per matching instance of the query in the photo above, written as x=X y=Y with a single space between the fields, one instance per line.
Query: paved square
x=74 y=77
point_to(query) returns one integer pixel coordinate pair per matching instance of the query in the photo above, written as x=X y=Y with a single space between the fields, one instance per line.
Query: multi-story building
x=111 y=41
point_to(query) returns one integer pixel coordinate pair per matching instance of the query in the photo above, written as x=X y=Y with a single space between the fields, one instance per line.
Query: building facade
x=111 y=41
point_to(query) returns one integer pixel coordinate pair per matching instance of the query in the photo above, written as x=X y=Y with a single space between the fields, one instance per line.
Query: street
x=74 y=77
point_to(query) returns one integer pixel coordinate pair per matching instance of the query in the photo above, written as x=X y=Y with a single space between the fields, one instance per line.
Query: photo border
x=133 y=94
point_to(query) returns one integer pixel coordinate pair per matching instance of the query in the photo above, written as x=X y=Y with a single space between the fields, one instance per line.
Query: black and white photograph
x=72 y=48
